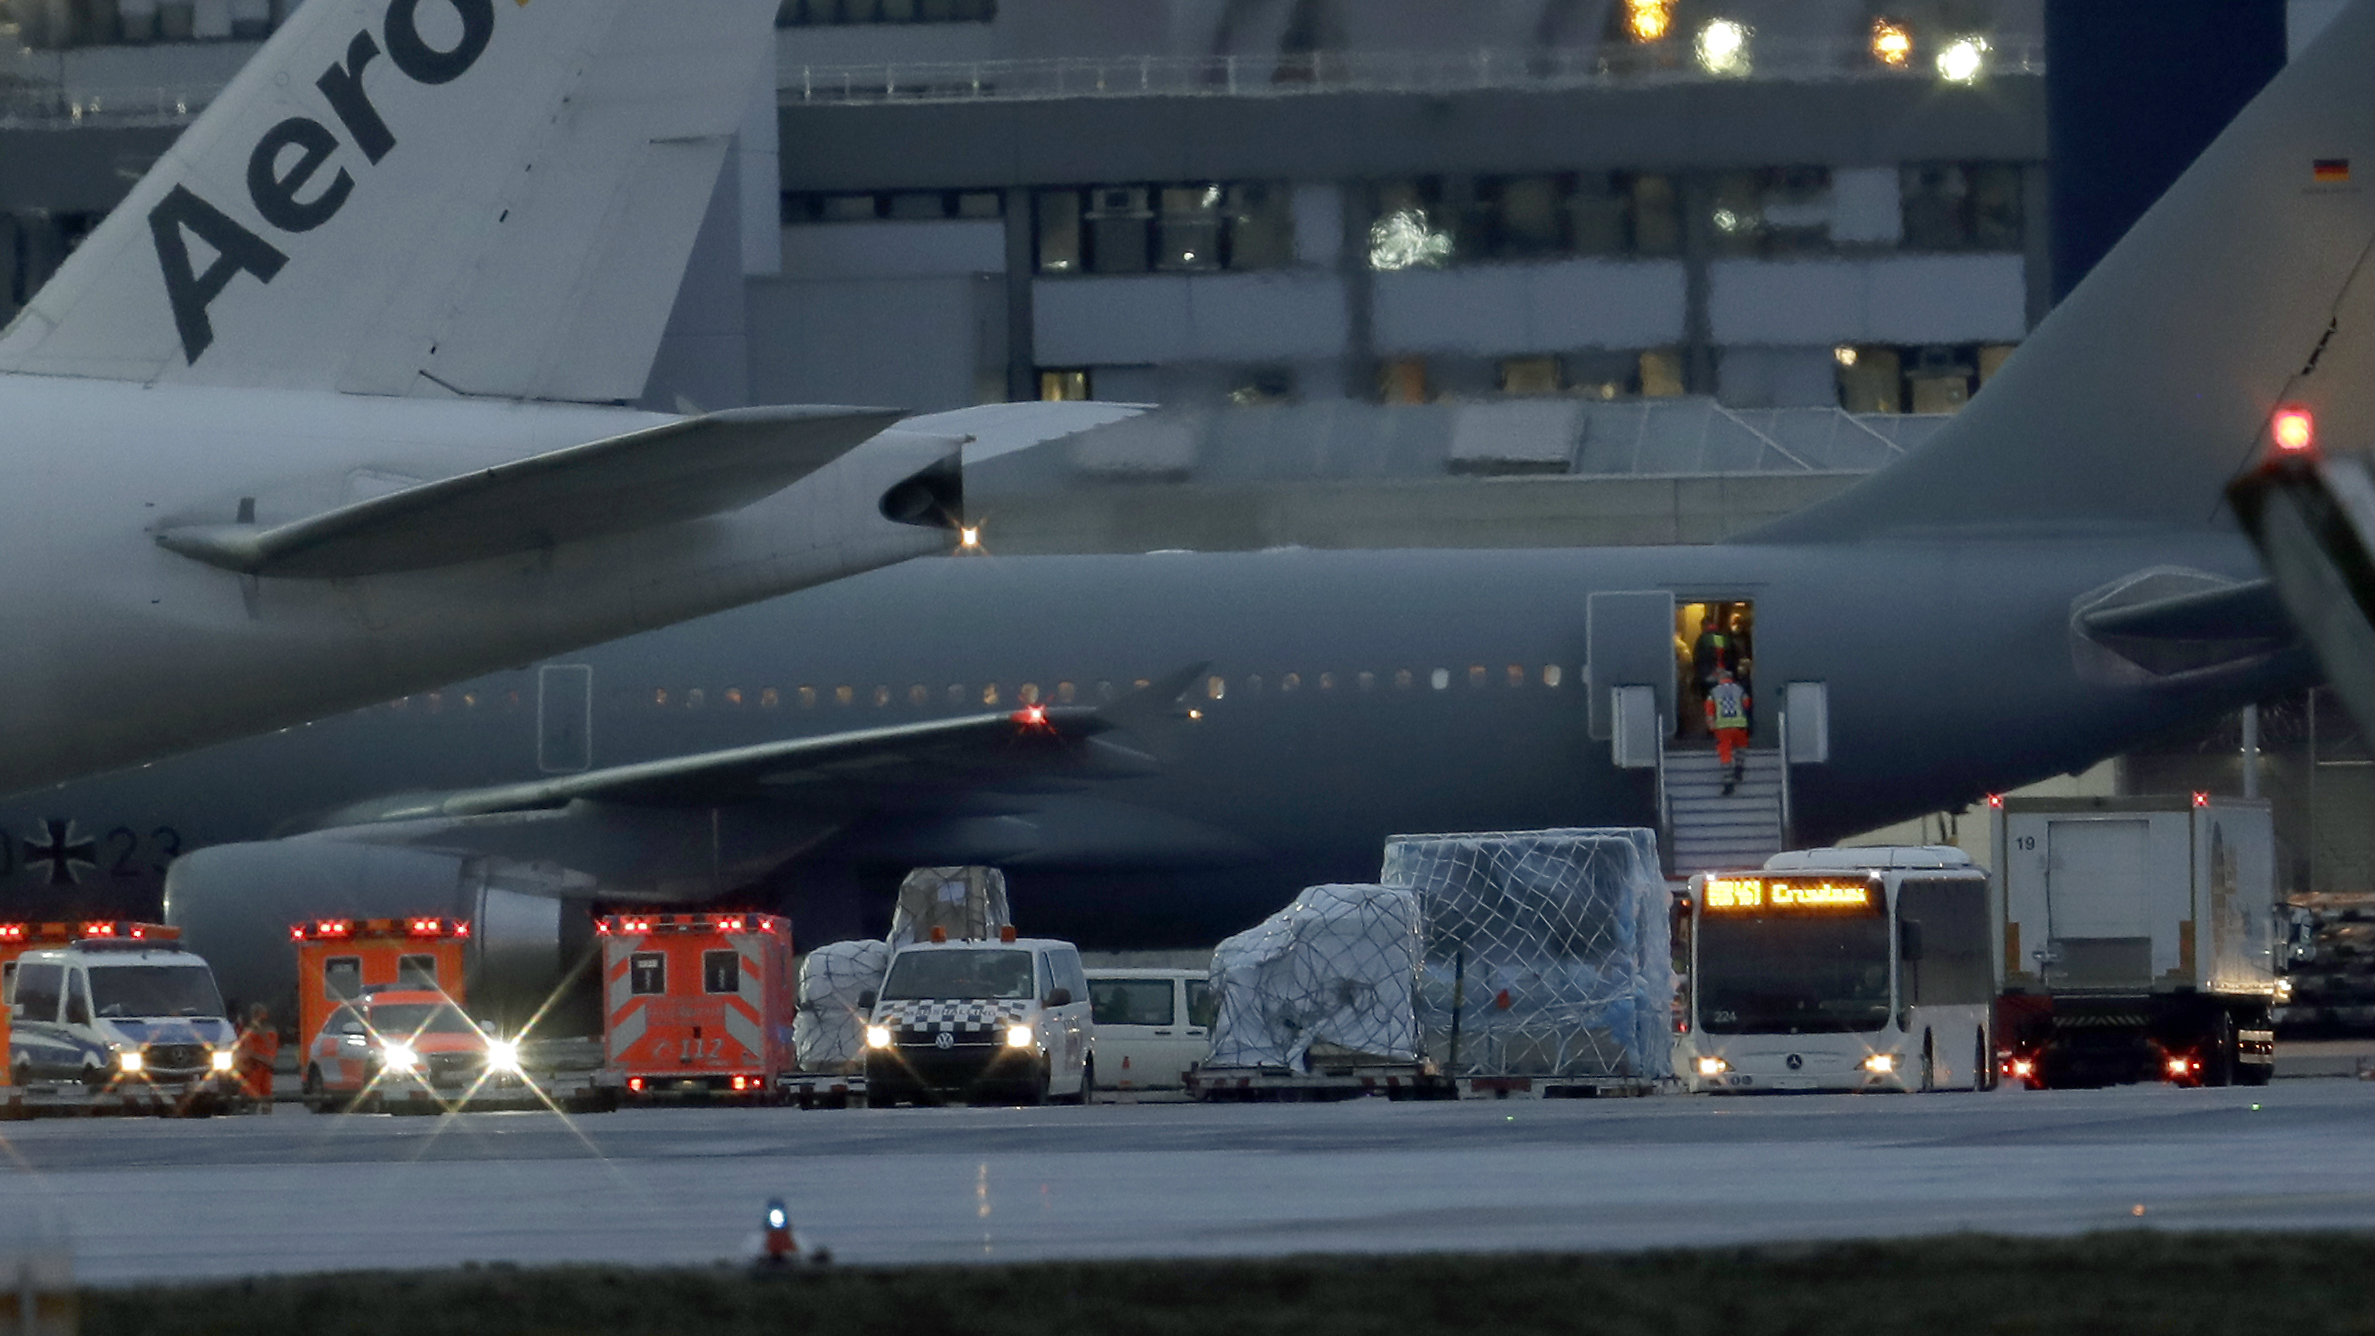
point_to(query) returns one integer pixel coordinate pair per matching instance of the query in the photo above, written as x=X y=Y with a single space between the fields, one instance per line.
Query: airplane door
x=1630 y=638
x=564 y=718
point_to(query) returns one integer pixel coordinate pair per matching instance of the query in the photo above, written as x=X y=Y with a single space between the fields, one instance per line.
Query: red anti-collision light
x=2293 y=429
x=2201 y=800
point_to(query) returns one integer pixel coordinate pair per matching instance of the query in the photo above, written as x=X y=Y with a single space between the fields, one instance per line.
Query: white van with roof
x=121 y=1015
x=1152 y=1025
x=978 y=1020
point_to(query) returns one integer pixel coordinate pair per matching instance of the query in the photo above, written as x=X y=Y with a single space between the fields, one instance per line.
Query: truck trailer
x=2139 y=939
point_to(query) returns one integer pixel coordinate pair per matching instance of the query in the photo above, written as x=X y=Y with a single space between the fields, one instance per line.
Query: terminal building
x=1669 y=267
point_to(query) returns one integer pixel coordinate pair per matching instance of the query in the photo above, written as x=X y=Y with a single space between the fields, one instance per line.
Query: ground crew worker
x=1727 y=718
x=259 y=1044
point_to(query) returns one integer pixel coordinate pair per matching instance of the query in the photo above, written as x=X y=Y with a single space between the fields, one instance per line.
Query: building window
x=1659 y=374
x=1435 y=221
x=1935 y=378
x=833 y=13
x=1962 y=206
x=1530 y=375
x=1066 y=386
x=1264 y=385
x=1403 y=380
x=1777 y=211
x=904 y=206
x=1186 y=227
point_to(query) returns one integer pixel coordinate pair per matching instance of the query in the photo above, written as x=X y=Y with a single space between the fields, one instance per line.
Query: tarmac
x=145 y=1200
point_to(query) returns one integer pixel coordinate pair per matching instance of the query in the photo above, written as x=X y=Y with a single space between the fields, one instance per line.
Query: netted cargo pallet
x=1543 y=953
x=1331 y=973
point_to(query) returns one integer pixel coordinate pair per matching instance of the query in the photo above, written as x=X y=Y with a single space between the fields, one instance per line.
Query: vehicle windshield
x=155 y=990
x=919 y=975
x=401 y=1019
x=1792 y=974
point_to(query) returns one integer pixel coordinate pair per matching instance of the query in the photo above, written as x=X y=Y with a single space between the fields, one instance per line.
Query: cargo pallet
x=822 y=1090
x=1397 y=1082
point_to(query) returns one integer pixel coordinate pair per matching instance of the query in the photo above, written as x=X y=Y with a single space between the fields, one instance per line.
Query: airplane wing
x=676 y=471
x=1033 y=745
x=2233 y=612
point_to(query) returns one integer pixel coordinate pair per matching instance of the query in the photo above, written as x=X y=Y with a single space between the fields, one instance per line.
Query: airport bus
x=1841 y=969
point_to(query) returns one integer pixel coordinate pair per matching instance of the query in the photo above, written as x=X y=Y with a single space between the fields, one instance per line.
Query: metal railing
x=40 y=104
x=1362 y=72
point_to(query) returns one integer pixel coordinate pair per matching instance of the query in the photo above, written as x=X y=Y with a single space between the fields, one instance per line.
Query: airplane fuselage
x=1349 y=696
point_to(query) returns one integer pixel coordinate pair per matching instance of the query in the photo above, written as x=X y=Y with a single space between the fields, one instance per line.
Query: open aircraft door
x=1630 y=640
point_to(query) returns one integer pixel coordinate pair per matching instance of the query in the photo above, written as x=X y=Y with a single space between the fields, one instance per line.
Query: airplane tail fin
x=2249 y=285
x=420 y=197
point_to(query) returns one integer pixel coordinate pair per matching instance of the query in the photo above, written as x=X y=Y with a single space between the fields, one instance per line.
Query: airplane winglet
x=676 y=471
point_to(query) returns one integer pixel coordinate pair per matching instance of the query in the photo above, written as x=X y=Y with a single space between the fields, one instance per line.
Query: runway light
x=1963 y=60
x=2293 y=429
x=1713 y=1066
x=780 y=1247
x=1881 y=1064
x=130 y=1061
x=878 y=1036
x=223 y=1059
x=1020 y=1036
x=503 y=1055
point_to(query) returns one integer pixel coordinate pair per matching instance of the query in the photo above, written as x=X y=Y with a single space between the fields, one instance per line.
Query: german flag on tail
x=2330 y=171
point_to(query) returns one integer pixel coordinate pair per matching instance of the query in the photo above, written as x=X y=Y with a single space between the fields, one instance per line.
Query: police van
x=1006 y=1019
x=128 y=1017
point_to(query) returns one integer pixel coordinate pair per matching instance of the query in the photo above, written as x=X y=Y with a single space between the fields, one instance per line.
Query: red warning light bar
x=340 y=930
x=643 y=925
x=88 y=930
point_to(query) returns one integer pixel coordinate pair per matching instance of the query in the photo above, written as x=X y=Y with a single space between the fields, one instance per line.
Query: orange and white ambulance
x=696 y=1005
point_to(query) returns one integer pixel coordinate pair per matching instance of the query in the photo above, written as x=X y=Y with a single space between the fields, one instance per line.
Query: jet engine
x=530 y=924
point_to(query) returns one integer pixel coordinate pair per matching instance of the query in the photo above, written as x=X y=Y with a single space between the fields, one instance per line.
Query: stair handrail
x=1787 y=839
x=1665 y=811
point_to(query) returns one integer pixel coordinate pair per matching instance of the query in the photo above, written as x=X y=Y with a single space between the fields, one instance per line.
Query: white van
x=1152 y=1025
x=121 y=1014
x=979 y=1020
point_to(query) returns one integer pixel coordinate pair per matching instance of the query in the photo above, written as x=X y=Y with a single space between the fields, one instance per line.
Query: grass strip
x=2141 y=1281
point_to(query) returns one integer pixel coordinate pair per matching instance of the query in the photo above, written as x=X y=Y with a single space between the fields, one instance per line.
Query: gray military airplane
x=2047 y=580
x=327 y=410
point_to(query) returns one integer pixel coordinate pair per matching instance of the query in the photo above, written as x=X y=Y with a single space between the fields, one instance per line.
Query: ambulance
x=696 y=1005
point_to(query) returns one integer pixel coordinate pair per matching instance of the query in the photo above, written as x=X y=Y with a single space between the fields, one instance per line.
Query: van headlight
x=223 y=1060
x=131 y=1062
x=1020 y=1036
x=399 y=1058
x=503 y=1055
x=878 y=1036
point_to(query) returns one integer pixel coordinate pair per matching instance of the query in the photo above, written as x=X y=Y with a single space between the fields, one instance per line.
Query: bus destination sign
x=1789 y=895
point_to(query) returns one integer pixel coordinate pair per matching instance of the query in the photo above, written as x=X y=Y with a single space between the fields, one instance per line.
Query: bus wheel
x=310 y=1091
x=1983 y=1063
x=1929 y=1063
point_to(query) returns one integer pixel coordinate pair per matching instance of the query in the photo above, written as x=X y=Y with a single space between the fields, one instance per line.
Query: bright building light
x=1403 y=240
x=1844 y=354
x=1963 y=59
x=1722 y=47
x=399 y=1058
x=1020 y=1036
x=1892 y=43
x=878 y=1036
x=503 y=1055
x=1648 y=20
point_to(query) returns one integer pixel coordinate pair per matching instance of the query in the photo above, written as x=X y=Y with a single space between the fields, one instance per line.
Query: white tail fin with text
x=404 y=197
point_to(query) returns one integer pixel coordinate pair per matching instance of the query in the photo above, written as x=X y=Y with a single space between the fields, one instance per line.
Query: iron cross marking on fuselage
x=66 y=855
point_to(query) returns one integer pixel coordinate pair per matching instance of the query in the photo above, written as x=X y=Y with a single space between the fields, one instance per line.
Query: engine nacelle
x=531 y=924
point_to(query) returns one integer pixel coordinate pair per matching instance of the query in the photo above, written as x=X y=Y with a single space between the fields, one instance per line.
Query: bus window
x=1954 y=967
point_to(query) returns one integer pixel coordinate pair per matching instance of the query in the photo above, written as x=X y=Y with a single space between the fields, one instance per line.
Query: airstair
x=1715 y=831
